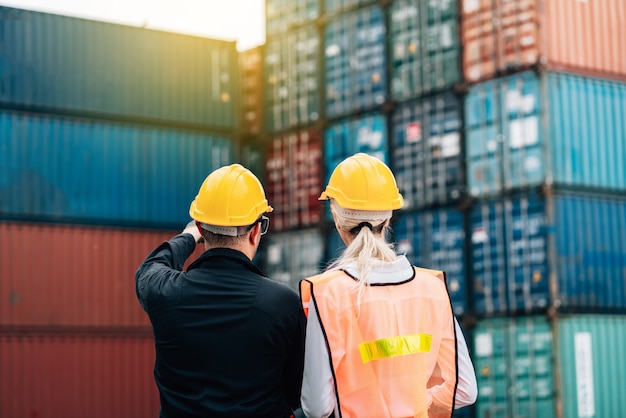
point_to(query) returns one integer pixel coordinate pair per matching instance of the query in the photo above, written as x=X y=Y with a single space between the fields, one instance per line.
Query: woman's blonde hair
x=368 y=248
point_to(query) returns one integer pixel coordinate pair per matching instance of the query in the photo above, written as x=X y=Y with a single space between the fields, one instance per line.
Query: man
x=229 y=341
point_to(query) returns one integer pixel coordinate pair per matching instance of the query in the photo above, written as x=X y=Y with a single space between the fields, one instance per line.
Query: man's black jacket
x=229 y=341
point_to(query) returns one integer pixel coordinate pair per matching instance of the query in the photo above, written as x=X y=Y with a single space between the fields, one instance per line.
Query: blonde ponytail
x=368 y=248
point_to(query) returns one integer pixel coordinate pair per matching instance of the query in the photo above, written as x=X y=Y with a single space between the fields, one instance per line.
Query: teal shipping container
x=569 y=367
x=69 y=65
x=283 y=15
x=525 y=130
x=72 y=170
x=424 y=47
x=292 y=64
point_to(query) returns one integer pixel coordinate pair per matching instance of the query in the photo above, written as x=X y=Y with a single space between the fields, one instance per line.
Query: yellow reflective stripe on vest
x=395 y=346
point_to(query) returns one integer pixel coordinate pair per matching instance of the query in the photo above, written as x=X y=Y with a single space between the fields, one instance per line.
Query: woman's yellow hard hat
x=363 y=182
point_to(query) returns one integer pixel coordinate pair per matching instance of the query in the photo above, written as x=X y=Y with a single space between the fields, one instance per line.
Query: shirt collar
x=396 y=271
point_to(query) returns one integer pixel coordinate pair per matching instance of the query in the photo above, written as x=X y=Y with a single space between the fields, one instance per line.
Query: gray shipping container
x=64 y=64
x=292 y=256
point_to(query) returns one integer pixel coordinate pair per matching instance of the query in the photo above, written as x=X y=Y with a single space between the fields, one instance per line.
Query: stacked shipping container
x=504 y=124
x=545 y=157
x=292 y=140
x=106 y=132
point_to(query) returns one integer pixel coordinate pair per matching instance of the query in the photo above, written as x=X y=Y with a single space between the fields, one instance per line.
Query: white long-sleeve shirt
x=318 y=389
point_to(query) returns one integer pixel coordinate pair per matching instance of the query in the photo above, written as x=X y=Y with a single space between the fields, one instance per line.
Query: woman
x=381 y=336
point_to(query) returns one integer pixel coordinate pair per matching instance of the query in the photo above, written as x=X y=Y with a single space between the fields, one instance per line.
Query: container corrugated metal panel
x=435 y=239
x=292 y=65
x=67 y=64
x=87 y=171
x=565 y=129
x=252 y=156
x=513 y=261
x=77 y=376
x=251 y=65
x=581 y=36
x=367 y=134
x=293 y=176
x=281 y=15
x=354 y=45
x=293 y=256
x=85 y=277
x=591 y=349
x=337 y=6
x=424 y=46
x=513 y=358
x=334 y=245
x=427 y=150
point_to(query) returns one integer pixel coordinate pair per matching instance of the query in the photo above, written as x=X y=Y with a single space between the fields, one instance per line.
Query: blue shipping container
x=427 y=159
x=344 y=138
x=79 y=170
x=523 y=130
x=435 y=239
x=354 y=45
x=292 y=70
x=65 y=64
x=525 y=245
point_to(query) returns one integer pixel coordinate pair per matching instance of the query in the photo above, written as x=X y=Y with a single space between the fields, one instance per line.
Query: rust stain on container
x=60 y=275
x=77 y=376
x=582 y=36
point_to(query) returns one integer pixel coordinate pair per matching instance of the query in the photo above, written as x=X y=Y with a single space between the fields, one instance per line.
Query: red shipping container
x=77 y=376
x=61 y=275
x=294 y=179
x=581 y=36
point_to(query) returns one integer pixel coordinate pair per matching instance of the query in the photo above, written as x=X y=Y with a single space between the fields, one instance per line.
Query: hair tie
x=360 y=226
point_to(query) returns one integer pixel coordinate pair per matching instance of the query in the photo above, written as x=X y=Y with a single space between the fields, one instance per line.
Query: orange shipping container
x=61 y=275
x=77 y=376
x=582 y=36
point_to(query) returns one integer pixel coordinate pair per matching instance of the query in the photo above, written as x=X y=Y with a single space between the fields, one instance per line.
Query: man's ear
x=254 y=233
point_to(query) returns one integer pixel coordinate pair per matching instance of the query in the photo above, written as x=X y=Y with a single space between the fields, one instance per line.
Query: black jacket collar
x=227 y=255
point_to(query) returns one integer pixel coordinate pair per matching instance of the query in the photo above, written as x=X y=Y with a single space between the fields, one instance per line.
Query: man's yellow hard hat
x=230 y=196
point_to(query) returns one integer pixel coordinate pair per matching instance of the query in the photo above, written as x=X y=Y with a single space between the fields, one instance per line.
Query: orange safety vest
x=385 y=355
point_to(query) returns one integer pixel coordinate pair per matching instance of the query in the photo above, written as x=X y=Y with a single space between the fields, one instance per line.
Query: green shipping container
x=522 y=371
x=592 y=366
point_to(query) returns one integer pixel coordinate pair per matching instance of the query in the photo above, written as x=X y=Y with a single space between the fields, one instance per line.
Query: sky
x=240 y=20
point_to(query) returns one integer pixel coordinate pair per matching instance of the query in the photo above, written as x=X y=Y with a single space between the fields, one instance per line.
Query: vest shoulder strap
x=306 y=286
